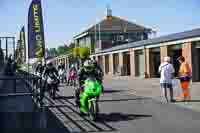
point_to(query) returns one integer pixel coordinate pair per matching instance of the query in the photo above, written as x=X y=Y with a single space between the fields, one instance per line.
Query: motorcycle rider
x=51 y=73
x=87 y=70
x=61 y=66
x=39 y=69
x=71 y=70
x=99 y=73
x=61 y=71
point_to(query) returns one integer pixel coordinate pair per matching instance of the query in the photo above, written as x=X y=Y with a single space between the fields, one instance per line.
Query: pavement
x=151 y=88
x=127 y=106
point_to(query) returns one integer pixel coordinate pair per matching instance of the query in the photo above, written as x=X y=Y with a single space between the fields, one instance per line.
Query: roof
x=167 y=38
x=116 y=24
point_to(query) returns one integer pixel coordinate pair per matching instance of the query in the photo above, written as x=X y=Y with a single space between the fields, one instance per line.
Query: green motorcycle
x=88 y=98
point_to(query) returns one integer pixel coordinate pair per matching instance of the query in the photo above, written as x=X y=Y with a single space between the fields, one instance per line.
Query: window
x=120 y=38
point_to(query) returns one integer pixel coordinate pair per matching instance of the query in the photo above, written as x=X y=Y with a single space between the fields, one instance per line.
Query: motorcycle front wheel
x=93 y=111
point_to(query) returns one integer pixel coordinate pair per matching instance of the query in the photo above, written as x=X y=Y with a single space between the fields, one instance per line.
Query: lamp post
x=100 y=35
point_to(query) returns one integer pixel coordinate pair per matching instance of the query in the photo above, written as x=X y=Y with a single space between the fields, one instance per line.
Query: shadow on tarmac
x=101 y=125
x=64 y=97
x=129 y=99
x=112 y=91
x=116 y=117
x=190 y=101
x=71 y=115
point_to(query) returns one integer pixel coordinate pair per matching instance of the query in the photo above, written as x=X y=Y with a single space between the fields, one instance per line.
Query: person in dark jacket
x=39 y=69
x=8 y=69
x=51 y=72
x=87 y=70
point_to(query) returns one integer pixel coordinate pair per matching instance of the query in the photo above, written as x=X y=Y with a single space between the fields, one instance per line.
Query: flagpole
x=28 y=65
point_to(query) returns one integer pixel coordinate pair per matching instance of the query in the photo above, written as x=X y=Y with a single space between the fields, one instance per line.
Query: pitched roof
x=116 y=24
x=167 y=38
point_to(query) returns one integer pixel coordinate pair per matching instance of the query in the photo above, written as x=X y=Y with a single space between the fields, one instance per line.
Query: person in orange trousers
x=185 y=77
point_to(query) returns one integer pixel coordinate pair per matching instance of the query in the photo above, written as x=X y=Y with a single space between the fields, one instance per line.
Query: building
x=124 y=49
x=110 y=32
x=142 y=58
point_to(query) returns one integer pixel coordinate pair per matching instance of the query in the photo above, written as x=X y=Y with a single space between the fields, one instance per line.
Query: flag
x=23 y=45
x=19 y=52
x=36 y=42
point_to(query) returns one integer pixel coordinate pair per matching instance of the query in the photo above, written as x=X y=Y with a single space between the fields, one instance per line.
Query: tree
x=53 y=52
x=82 y=52
x=72 y=45
x=63 y=50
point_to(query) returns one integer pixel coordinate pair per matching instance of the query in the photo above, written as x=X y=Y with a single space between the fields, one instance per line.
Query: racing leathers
x=82 y=76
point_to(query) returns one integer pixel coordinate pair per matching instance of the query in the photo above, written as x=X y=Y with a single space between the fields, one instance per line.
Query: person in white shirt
x=166 y=70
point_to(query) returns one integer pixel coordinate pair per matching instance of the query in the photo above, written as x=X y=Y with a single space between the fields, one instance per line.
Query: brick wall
x=187 y=53
x=111 y=65
x=121 y=62
x=132 y=63
x=163 y=53
x=147 y=67
x=104 y=64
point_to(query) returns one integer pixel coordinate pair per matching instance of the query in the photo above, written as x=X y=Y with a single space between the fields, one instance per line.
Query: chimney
x=109 y=12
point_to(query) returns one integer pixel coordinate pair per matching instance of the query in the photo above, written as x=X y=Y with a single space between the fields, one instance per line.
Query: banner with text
x=36 y=42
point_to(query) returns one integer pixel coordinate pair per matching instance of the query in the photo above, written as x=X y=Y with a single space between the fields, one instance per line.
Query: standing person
x=185 y=77
x=72 y=74
x=8 y=68
x=166 y=70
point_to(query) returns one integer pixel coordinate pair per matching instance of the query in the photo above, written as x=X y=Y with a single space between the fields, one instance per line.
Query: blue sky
x=65 y=18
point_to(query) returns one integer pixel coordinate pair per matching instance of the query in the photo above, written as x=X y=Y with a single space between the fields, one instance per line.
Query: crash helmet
x=88 y=66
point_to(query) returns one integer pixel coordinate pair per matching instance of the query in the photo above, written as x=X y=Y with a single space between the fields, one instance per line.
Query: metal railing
x=34 y=85
x=26 y=84
x=30 y=86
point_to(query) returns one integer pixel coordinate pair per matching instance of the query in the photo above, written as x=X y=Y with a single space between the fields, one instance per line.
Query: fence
x=34 y=85
x=26 y=84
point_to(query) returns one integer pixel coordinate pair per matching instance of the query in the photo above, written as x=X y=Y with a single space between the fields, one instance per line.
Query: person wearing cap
x=166 y=71
x=185 y=77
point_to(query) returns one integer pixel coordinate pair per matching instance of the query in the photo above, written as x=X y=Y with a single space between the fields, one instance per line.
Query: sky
x=64 y=19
